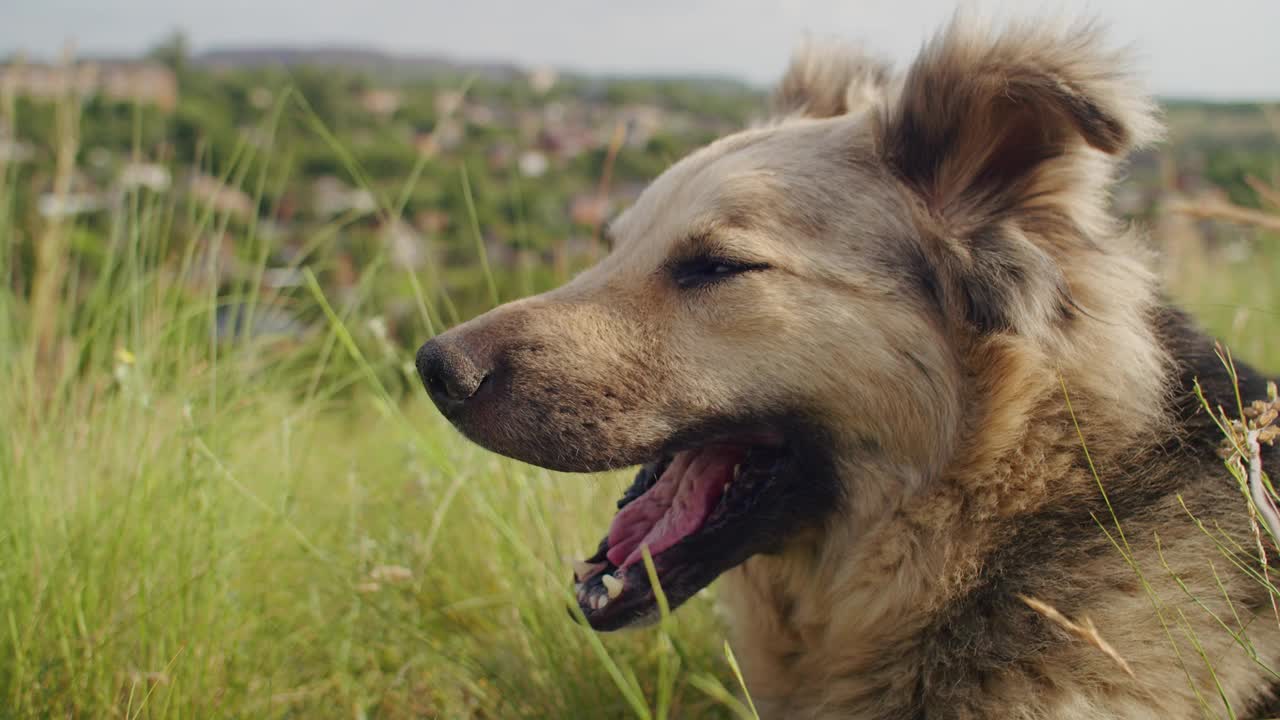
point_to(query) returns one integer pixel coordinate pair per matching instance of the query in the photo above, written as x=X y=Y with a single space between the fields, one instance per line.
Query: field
x=211 y=509
x=194 y=530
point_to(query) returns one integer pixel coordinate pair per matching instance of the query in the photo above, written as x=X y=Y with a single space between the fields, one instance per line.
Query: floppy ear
x=1003 y=138
x=826 y=79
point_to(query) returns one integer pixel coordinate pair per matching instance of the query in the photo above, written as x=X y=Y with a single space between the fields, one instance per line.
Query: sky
x=1226 y=49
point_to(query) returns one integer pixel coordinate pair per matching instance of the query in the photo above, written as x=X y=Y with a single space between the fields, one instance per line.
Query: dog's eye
x=703 y=271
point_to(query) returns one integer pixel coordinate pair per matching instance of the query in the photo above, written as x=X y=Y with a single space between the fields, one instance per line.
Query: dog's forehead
x=692 y=188
x=744 y=180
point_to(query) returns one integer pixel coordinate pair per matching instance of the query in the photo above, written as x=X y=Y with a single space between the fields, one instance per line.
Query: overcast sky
x=1222 y=49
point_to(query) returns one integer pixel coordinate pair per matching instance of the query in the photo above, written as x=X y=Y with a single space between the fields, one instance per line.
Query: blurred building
x=383 y=103
x=542 y=79
x=143 y=83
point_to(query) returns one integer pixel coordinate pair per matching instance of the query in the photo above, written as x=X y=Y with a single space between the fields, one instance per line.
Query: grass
x=283 y=527
x=269 y=558
x=280 y=527
x=190 y=529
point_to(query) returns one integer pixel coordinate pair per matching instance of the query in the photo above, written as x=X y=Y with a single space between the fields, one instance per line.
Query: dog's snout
x=449 y=373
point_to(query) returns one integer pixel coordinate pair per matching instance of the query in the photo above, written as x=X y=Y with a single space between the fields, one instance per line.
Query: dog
x=894 y=374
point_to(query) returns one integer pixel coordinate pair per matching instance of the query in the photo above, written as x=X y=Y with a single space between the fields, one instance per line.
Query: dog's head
x=778 y=335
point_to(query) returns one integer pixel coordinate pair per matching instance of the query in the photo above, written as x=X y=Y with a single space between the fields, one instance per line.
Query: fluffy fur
x=943 y=276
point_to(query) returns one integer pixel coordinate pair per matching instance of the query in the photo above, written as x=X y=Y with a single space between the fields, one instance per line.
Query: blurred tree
x=174 y=51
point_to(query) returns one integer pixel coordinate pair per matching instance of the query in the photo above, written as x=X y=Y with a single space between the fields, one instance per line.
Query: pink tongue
x=676 y=506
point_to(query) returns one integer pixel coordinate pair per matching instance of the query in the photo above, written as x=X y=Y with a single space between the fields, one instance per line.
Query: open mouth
x=698 y=512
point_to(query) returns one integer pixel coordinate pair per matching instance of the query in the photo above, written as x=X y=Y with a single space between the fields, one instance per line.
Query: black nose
x=449 y=374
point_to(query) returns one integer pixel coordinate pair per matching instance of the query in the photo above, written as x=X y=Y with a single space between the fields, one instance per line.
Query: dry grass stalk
x=1084 y=630
x=146 y=678
x=1242 y=448
x=51 y=254
x=606 y=179
x=1269 y=195
x=1218 y=210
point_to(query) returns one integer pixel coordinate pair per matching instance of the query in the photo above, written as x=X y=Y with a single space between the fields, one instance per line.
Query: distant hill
x=352 y=58
x=401 y=66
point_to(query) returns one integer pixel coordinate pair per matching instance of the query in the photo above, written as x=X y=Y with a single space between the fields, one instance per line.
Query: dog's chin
x=698 y=511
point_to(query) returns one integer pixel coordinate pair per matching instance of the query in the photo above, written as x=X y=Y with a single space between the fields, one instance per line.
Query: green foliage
x=221 y=123
x=271 y=525
x=1231 y=168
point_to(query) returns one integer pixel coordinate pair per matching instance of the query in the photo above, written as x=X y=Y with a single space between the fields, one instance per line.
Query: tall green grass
x=272 y=526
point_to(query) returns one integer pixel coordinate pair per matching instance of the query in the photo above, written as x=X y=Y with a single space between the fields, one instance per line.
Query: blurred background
x=429 y=136
x=225 y=227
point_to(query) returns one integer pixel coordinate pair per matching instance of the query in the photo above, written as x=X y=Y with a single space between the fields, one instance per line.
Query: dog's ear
x=826 y=79
x=1003 y=138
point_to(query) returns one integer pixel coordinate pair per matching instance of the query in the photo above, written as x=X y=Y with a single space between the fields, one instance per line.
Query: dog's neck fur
x=919 y=555
x=833 y=632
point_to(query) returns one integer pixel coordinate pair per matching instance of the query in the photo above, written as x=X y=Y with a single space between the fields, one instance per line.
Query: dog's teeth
x=583 y=569
x=577 y=588
x=612 y=585
x=600 y=602
x=736 y=469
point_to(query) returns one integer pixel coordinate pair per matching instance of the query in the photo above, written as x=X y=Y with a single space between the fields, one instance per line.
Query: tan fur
x=942 y=266
x=826 y=79
x=819 y=627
